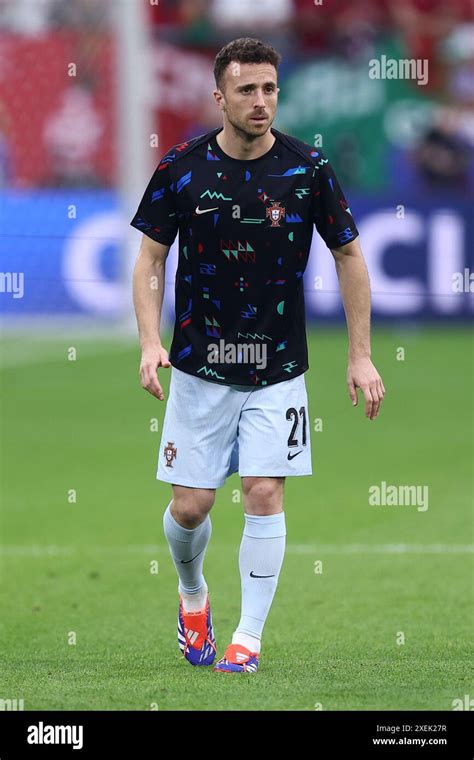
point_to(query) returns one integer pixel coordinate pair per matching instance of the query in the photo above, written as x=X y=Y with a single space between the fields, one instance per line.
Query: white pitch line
x=40 y=550
x=381 y=548
x=35 y=550
x=46 y=354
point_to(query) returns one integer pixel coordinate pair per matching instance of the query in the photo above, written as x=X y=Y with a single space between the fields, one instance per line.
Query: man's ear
x=220 y=102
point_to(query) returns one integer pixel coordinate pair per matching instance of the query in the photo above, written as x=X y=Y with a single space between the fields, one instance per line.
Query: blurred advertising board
x=66 y=247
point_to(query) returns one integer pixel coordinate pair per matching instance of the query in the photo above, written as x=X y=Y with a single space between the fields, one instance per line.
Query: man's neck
x=236 y=147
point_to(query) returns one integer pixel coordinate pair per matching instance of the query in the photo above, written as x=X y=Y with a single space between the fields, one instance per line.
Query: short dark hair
x=244 y=50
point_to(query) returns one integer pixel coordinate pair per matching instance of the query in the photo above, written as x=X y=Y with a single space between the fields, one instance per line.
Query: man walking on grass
x=244 y=198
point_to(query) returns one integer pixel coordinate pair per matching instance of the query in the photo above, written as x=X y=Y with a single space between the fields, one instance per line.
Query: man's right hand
x=152 y=358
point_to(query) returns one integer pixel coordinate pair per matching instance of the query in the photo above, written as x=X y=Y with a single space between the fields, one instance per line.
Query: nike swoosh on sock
x=187 y=561
x=252 y=575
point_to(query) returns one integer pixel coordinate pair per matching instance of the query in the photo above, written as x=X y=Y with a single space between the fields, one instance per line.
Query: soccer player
x=244 y=198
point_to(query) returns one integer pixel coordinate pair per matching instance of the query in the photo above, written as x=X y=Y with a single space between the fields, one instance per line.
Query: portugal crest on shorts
x=276 y=213
x=170 y=452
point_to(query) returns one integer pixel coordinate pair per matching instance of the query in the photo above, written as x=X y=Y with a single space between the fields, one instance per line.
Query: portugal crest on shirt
x=276 y=212
x=170 y=452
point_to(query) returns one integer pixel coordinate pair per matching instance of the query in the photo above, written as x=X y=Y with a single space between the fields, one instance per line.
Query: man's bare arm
x=355 y=291
x=148 y=292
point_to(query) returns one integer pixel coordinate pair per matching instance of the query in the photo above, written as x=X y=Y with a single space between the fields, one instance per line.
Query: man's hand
x=152 y=358
x=362 y=374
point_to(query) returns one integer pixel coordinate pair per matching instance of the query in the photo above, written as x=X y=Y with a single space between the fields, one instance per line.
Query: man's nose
x=259 y=99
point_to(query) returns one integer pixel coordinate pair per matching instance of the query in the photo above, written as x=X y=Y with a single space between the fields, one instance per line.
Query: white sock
x=245 y=640
x=188 y=547
x=260 y=560
x=194 y=602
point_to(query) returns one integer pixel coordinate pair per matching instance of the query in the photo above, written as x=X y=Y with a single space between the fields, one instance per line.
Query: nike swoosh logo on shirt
x=187 y=561
x=252 y=575
x=205 y=210
x=292 y=456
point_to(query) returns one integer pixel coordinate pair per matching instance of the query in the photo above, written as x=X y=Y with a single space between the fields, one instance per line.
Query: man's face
x=249 y=97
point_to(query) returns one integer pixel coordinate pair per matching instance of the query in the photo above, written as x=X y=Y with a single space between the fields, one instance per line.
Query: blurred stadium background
x=92 y=94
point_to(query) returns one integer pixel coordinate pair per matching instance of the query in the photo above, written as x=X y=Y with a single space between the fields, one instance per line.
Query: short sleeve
x=331 y=215
x=156 y=215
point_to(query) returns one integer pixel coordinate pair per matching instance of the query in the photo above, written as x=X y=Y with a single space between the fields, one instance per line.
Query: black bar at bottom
x=420 y=734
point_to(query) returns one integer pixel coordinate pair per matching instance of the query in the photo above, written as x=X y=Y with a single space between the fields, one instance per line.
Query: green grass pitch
x=333 y=639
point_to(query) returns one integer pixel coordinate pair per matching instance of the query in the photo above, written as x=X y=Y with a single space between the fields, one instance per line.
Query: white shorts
x=211 y=431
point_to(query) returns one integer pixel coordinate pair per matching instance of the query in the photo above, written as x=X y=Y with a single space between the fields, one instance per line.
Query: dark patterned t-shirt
x=245 y=230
